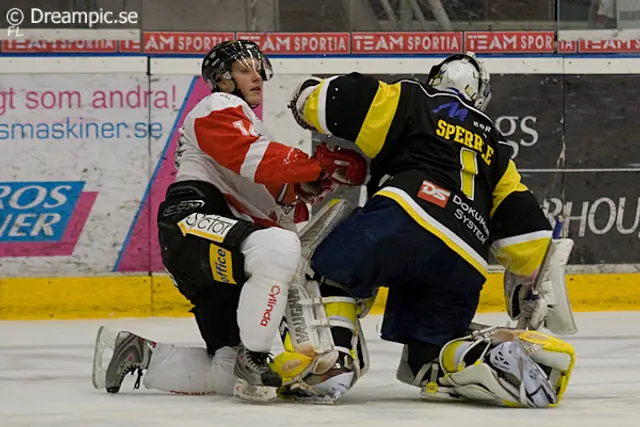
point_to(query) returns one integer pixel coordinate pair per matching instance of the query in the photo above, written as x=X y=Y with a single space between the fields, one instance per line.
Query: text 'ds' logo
x=434 y=194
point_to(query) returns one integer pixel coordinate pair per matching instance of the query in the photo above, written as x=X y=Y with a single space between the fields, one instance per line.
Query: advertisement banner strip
x=341 y=43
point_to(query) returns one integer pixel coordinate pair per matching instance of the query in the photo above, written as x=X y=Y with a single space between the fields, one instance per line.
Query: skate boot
x=131 y=353
x=256 y=381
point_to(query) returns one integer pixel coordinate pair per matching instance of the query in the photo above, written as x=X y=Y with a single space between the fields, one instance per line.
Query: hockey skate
x=256 y=381
x=131 y=354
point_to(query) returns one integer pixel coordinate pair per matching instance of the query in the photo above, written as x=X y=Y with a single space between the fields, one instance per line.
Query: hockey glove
x=344 y=166
x=296 y=105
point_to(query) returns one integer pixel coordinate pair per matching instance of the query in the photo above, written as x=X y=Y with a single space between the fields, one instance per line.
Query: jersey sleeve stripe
x=508 y=183
x=223 y=134
x=522 y=255
x=523 y=238
x=377 y=122
x=254 y=156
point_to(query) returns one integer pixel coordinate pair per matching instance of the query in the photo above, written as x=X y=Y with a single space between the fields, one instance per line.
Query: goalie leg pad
x=310 y=316
x=514 y=368
x=309 y=319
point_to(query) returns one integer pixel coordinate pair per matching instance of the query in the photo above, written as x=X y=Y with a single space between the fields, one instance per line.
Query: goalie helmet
x=465 y=76
x=216 y=65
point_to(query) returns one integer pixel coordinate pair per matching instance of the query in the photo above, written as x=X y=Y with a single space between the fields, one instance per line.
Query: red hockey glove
x=315 y=192
x=344 y=166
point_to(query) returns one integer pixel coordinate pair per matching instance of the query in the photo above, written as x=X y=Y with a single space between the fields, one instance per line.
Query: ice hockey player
x=227 y=236
x=444 y=192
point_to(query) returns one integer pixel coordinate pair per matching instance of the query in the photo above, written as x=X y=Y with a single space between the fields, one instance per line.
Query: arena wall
x=87 y=148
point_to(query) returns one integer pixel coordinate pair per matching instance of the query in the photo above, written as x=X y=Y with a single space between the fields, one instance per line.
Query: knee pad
x=272 y=253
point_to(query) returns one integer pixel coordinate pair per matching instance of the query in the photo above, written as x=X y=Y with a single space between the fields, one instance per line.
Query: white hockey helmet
x=463 y=75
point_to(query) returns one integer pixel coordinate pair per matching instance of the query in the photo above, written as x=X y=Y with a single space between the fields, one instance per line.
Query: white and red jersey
x=224 y=143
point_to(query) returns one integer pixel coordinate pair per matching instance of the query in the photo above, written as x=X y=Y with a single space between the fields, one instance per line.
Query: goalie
x=445 y=192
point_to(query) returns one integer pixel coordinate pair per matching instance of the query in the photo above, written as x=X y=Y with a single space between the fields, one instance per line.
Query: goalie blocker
x=545 y=301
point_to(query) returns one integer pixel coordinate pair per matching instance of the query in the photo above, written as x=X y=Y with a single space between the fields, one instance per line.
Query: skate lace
x=259 y=361
x=135 y=368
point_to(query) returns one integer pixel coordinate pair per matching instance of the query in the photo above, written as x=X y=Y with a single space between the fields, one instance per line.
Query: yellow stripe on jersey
x=509 y=183
x=482 y=269
x=377 y=122
x=522 y=255
x=312 y=108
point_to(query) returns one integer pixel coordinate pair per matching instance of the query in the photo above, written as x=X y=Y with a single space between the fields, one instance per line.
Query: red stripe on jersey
x=222 y=140
x=283 y=164
x=227 y=136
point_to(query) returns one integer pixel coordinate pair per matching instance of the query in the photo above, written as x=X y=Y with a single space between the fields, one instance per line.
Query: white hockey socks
x=190 y=370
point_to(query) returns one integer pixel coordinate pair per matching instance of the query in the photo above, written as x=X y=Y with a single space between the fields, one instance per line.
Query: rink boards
x=88 y=147
x=142 y=296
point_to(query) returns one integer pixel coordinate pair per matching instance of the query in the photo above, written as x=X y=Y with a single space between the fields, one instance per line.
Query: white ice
x=45 y=370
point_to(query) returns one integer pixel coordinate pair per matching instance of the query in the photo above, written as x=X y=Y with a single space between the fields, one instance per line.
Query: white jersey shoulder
x=219 y=101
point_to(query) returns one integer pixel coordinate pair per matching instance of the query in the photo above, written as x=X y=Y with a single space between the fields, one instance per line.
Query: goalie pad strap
x=334 y=323
x=326 y=300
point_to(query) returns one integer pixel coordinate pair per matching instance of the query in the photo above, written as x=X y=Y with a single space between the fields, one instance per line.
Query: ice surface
x=45 y=380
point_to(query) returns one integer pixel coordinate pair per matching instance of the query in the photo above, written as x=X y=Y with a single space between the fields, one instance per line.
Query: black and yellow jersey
x=443 y=161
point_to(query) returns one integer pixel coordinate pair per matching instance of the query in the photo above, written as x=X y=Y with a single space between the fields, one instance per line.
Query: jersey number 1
x=468 y=171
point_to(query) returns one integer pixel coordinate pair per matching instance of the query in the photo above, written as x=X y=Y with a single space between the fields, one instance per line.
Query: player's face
x=246 y=74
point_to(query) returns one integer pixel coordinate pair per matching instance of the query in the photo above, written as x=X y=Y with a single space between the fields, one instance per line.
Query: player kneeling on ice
x=444 y=192
x=228 y=238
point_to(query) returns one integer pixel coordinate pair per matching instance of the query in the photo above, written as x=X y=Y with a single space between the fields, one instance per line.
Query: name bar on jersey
x=341 y=43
